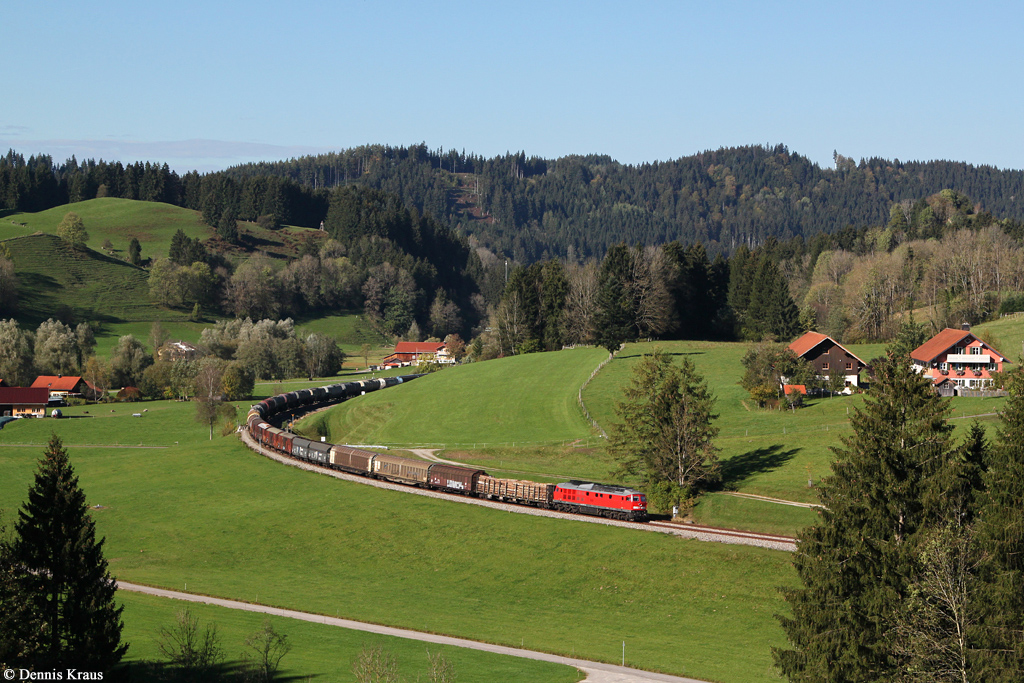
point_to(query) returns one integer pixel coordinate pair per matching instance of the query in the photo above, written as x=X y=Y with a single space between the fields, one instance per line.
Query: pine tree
x=856 y=564
x=666 y=435
x=1001 y=540
x=71 y=590
x=616 y=310
x=19 y=623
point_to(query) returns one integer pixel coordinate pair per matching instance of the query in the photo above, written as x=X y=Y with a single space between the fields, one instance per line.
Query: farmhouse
x=826 y=356
x=178 y=350
x=23 y=401
x=61 y=387
x=407 y=353
x=958 y=359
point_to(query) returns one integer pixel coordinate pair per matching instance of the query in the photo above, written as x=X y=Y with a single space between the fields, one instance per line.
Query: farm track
x=692 y=531
x=597 y=672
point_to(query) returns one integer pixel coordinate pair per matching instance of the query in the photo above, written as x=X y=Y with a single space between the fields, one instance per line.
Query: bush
x=268 y=222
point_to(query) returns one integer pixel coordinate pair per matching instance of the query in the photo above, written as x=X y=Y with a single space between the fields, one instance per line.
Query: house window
x=975 y=350
x=824 y=366
x=944 y=366
x=991 y=367
x=849 y=365
x=958 y=350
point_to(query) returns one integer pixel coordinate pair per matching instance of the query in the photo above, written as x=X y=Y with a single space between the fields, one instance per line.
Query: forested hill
x=530 y=207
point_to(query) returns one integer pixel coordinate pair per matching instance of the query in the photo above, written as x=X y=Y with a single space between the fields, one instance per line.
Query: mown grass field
x=233 y=524
x=523 y=400
x=319 y=652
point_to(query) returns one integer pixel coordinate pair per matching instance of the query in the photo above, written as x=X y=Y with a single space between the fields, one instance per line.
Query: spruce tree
x=615 y=317
x=857 y=562
x=72 y=593
x=1000 y=538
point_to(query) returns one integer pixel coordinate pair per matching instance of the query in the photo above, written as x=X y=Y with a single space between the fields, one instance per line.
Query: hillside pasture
x=526 y=400
x=230 y=523
x=117 y=220
x=58 y=281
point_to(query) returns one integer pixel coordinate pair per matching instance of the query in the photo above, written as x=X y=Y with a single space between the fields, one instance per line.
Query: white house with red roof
x=407 y=353
x=826 y=355
x=959 y=358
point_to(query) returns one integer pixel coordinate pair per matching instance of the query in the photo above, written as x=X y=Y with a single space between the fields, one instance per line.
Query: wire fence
x=579 y=394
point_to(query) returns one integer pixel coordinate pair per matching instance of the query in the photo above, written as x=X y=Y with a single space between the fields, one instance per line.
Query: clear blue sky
x=213 y=83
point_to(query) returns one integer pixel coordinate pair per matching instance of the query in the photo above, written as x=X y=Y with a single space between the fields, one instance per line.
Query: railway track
x=691 y=531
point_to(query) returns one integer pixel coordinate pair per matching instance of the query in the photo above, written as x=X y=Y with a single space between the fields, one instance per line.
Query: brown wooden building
x=826 y=355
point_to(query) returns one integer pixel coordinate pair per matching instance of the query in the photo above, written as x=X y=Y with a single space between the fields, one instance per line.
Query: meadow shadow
x=739 y=468
x=234 y=671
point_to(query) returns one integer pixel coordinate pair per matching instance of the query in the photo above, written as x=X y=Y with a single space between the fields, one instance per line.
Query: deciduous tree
x=72 y=229
x=16 y=354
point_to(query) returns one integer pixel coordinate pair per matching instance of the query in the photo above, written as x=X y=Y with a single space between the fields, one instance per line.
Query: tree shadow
x=234 y=672
x=740 y=468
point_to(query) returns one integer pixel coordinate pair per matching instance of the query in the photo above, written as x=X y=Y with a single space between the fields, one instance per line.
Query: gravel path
x=682 y=530
x=597 y=672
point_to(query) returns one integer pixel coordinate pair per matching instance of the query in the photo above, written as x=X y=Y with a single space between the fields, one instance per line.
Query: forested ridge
x=578 y=206
x=529 y=208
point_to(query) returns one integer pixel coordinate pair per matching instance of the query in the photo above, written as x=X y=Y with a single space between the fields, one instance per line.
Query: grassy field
x=233 y=524
x=524 y=400
x=153 y=224
x=765 y=452
x=117 y=220
x=352 y=330
x=319 y=653
x=56 y=280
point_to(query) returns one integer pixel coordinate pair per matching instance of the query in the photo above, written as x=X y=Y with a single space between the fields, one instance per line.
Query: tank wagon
x=582 y=497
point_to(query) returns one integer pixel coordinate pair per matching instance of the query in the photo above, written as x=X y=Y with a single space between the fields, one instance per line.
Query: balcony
x=971 y=358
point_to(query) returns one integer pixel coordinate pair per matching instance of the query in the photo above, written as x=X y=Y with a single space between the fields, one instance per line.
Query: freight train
x=583 y=497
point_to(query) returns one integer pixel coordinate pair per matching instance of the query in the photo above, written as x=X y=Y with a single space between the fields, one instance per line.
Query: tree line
x=529 y=208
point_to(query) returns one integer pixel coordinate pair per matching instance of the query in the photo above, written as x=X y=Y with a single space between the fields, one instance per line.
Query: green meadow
x=230 y=523
x=319 y=652
x=117 y=220
x=522 y=400
x=56 y=280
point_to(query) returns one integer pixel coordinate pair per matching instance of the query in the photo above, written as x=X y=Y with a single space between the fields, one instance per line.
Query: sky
x=206 y=85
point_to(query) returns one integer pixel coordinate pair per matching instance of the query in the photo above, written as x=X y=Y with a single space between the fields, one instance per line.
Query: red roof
x=944 y=341
x=418 y=347
x=807 y=342
x=795 y=389
x=24 y=396
x=810 y=340
x=56 y=382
